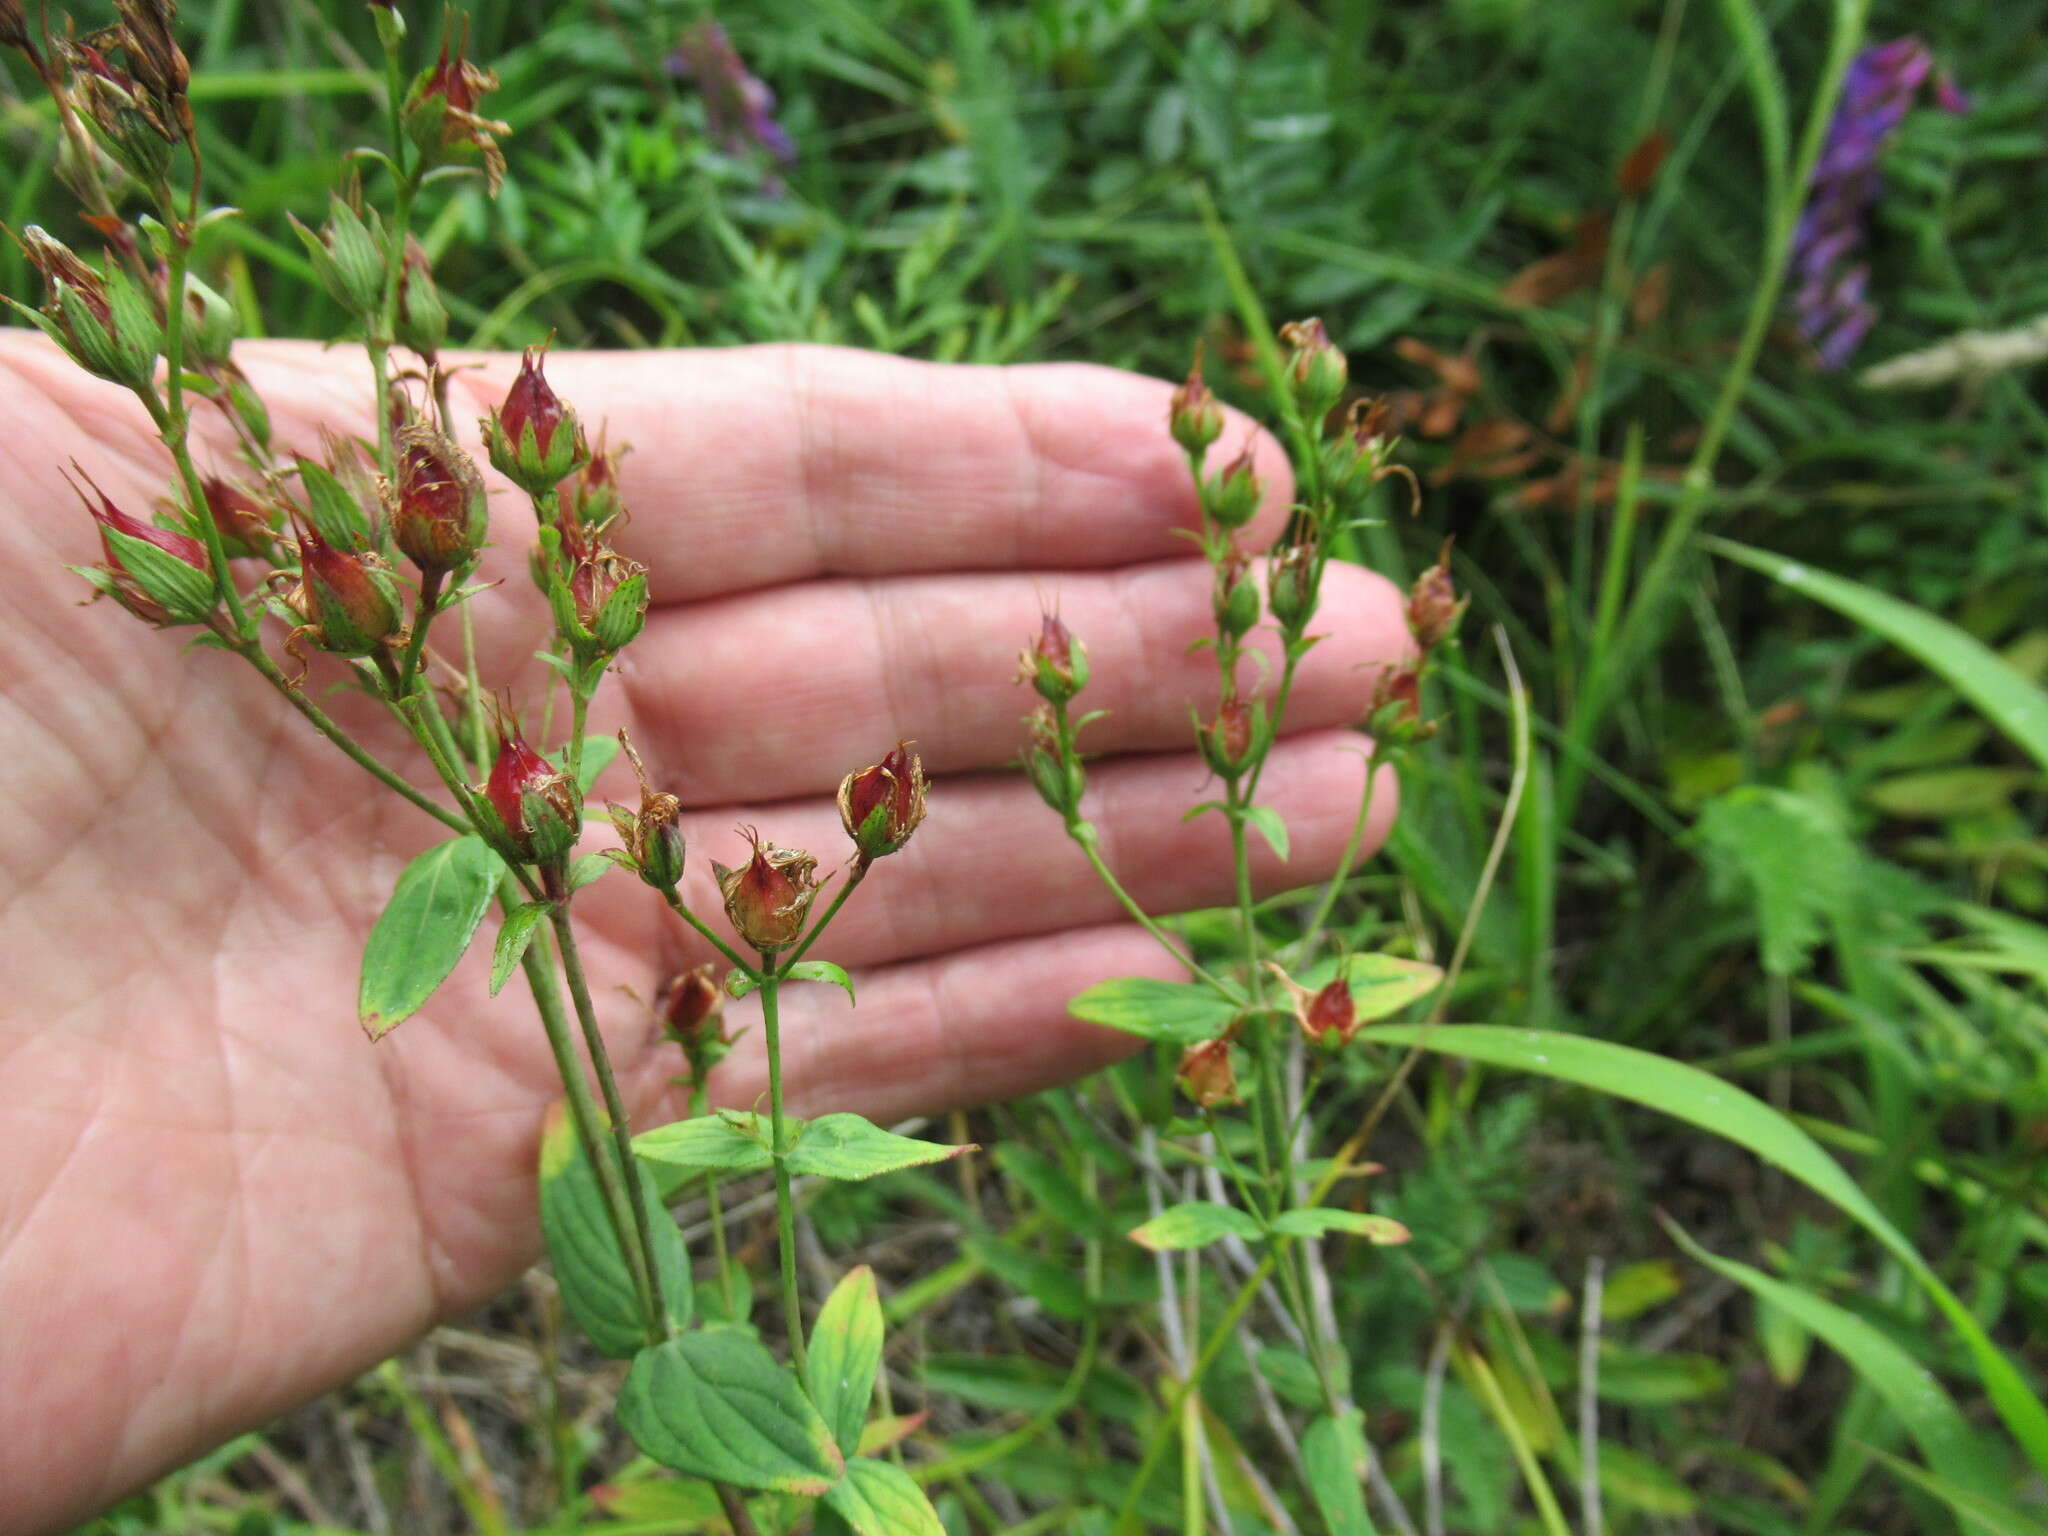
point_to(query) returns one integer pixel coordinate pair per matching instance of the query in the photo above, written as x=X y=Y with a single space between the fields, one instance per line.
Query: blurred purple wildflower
x=738 y=107
x=1829 y=296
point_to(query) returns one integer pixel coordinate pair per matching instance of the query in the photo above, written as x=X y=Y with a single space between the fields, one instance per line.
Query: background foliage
x=1791 y=853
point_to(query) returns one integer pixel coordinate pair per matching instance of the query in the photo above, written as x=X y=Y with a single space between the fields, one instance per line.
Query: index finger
x=757 y=466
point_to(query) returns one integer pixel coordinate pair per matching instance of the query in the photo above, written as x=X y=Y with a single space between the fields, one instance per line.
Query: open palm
x=216 y=1197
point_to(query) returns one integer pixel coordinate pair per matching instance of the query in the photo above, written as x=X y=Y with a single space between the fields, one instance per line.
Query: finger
x=966 y=1029
x=762 y=465
x=991 y=862
x=781 y=693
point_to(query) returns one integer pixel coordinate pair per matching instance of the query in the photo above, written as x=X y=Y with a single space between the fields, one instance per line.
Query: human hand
x=217 y=1199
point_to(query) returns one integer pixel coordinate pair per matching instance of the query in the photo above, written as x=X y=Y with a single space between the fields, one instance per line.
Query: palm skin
x=217 y=1199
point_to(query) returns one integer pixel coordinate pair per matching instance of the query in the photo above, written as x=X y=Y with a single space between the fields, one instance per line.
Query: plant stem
x=1312 y=929
x=422 y=616
x=851 y=884
x=700 y=1105
x=615 y=1106
x=735 y=1508
x=1084 y=834
x=252 y=653
x=675 y=903
x=583 y=1113
x=785 y=1207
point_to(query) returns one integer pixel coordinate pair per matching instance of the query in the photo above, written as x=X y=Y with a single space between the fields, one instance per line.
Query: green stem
x=583 y=1113
x=315 y=716
x=852 y=884
x=579 y=711
x=785 y=1206
x=675 y=903
x=1313 y=928
x=422 y=616
x=382 y=334
x=171 y=422
x=615 y=1106
x=1266 y=1114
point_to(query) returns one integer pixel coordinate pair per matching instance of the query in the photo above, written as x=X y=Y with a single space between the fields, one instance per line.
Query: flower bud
x=348 y=257
x=1236 y=599
x=159 y=576
x=1395 y=710
x=244 y=522
x=1226 y=742
x=534 y=439
x=1058 y=779
x=653 y=836
x=439 y=515
x=1434 y=606
x=536 y=807
x=881 y=806
x=1195 y=419
x=1206 y=1075
x=422 y=319
x=103 y=322
x=153 y=53
x=592 y=500
x=1056 y=664
x=135 y=123
x=692 y=1008
x=351 y=603
x=1232 y=495
x=769 y=899
x=211 y=326
x=1291 y=582
x=1329 y=1016
x=439 y=113
x=600 y=601
x=1316 y=370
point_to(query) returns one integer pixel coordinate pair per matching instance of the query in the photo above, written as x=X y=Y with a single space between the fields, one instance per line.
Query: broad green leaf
x=1194 y=1224
x=1314 y=1222
x=1271 y=828
x=589 y=868
x=1704 y=1100
x=1908 y=1388
x=878 y=1498
x=1980 y=1513
x=730 y=1141
x=425 y=927
x=1334 y=1452
x=2006 y=697
x=1177 y=1012
x=1642 y=1379
x=1381 y=985
x=716 y=1404
x=845 y=1354
x=890 y=1429
x=1942 y=794
x=822 y=970
x=596 y=1286
x=844 y=1146
x=1640 y=1483
x=513 y=936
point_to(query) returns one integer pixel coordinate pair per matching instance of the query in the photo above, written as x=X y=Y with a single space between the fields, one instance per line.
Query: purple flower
x=739 y=108
x=1828 y=286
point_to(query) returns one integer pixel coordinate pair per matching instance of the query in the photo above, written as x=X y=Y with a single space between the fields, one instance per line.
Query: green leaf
x=1633 y=1479
x=1908 y=1388
x=1176 y=1012
x=1704 y=1100
x=738 y=983
x=1194 y=1224
x=1271 y=828
x=1942 y=794
x=596 y=1286
x=1333 y=1451
x=878 y=1498
x=589 y=868
x=1381 y=985
x=513 y=936
x=716 y=1404
x=730 y=1141
x=1977 y=1512
x=2005 y=696
x=845 y=1354
x=1052 y=1283
x=845 y=1146
x=1635 y=1288
x=1315 y=1221
x=425 y=928
x=822 y=970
